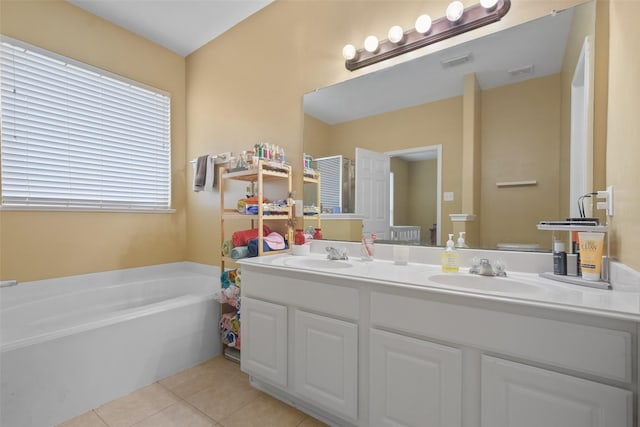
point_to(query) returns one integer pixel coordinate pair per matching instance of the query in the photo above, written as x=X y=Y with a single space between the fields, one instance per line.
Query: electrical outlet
x=607 y=195
x=448 y=196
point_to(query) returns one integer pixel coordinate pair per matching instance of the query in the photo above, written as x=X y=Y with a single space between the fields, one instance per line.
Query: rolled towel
x=224 y=279
x=241 y=238
x=239 y=252
x=227 y=246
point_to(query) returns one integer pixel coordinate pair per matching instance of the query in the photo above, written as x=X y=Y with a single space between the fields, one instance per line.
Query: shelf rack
x=576 y=280
x=264 y=172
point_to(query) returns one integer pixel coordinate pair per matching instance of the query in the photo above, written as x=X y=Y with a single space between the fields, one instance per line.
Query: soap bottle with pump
x=450 y=263
x=460 y=243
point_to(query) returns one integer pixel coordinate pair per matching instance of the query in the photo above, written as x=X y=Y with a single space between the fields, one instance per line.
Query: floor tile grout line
x=185 y=401
x=100 y=418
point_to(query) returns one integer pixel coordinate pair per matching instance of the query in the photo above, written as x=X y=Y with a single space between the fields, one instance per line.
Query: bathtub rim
x=133 y=274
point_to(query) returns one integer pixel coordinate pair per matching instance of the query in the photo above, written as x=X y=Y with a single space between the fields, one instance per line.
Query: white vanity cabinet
x=362 y=352
x=413 y=382
x=302 y=337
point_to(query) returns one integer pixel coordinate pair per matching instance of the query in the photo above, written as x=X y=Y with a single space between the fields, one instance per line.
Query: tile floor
x=213 y=394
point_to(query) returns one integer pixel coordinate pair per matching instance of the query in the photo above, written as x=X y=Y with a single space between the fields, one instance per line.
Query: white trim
x=462 y=217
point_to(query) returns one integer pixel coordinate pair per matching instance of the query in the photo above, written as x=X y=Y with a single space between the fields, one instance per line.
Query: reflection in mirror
x=508 y=93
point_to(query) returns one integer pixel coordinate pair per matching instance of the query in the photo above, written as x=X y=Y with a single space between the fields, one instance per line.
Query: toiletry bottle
x=460 y=243
x=450 y=257
x=559 y=258
x=299 y=238
x=318 y=234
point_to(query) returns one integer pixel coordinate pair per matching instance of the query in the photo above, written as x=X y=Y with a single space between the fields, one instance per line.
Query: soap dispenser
x=460 y=243
x=450 y=257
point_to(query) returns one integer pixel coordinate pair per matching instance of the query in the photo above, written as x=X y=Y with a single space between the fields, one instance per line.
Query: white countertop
x=520 y=288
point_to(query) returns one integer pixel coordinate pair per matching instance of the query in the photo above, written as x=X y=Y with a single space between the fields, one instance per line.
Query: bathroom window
x=77 y=137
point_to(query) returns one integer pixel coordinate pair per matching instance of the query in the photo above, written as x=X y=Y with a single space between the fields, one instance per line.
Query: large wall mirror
x=533 y=99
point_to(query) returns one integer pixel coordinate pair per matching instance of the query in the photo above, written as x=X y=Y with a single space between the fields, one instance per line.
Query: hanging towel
x=200 y=173
x=210 y=175
x=241 y=238
x=239 y=252
x=227 y=246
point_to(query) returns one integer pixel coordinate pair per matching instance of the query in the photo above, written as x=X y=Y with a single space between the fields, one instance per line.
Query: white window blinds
x=77 y=137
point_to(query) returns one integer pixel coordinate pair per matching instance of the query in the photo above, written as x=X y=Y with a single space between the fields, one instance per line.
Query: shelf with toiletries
x=257 y=211
x=584 y=264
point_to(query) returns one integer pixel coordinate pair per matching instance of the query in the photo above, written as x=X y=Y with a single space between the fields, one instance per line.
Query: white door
x=373 y=191
x=413 y=382
x=326 y=363
x=581 y=158
x=263 y=329
x=519 y=395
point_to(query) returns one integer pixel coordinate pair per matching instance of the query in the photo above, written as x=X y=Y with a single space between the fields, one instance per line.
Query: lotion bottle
x=460 y=243
x=450 y=257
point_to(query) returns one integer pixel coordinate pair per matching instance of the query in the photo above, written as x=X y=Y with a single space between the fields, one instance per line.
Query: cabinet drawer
x=514 y=392
x=589 y=349
x=339 y=301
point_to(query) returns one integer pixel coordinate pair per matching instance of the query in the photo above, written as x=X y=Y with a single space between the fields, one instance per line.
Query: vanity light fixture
x=455 y=10
x=457 y=20
x=396 y=34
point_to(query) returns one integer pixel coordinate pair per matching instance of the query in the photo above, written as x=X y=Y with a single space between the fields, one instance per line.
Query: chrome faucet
x=483 y=267
x=336 y=253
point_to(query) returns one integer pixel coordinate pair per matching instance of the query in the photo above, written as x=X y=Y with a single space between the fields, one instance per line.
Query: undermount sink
x=324 y=264
x=484 y=283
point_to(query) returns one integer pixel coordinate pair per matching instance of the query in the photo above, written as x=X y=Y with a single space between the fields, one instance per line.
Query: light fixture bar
x=473 y=17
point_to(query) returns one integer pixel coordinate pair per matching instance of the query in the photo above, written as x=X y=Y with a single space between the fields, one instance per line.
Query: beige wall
x=421 y=126
x=38 y=245
x=423 y=194
x=623 y=139
x=520 y=142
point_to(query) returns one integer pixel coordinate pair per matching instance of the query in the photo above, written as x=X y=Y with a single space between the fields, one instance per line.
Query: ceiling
x=537 y=46
x=179 y=25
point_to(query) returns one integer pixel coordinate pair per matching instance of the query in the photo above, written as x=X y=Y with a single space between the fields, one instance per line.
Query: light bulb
x=488 y=4
x=371 y=44
x=455 y=11
x=396 y=34
x=349 y=52
x=423 y=24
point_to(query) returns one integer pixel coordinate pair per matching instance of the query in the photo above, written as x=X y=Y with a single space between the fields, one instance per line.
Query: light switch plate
x=299 y=208
x=448 y=196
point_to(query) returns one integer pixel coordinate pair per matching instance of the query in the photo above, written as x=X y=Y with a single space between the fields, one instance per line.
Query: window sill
x=102 y=210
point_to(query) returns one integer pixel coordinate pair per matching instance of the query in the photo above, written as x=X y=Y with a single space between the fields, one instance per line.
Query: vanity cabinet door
x=326 y=363
x=414 y=382
x=518 y=395
x=264 y=340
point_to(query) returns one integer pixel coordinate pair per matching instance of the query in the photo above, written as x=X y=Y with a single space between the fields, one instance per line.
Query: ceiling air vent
x=516 y=73
x=456 y=60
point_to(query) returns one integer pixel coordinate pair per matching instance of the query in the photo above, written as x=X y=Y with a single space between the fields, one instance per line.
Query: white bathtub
x=68 y=345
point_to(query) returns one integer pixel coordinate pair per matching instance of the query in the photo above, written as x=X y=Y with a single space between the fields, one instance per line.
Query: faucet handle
x=475 y=265
x=500 y=268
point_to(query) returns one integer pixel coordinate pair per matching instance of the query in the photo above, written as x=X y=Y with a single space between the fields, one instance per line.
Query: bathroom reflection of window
x=77 y=137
